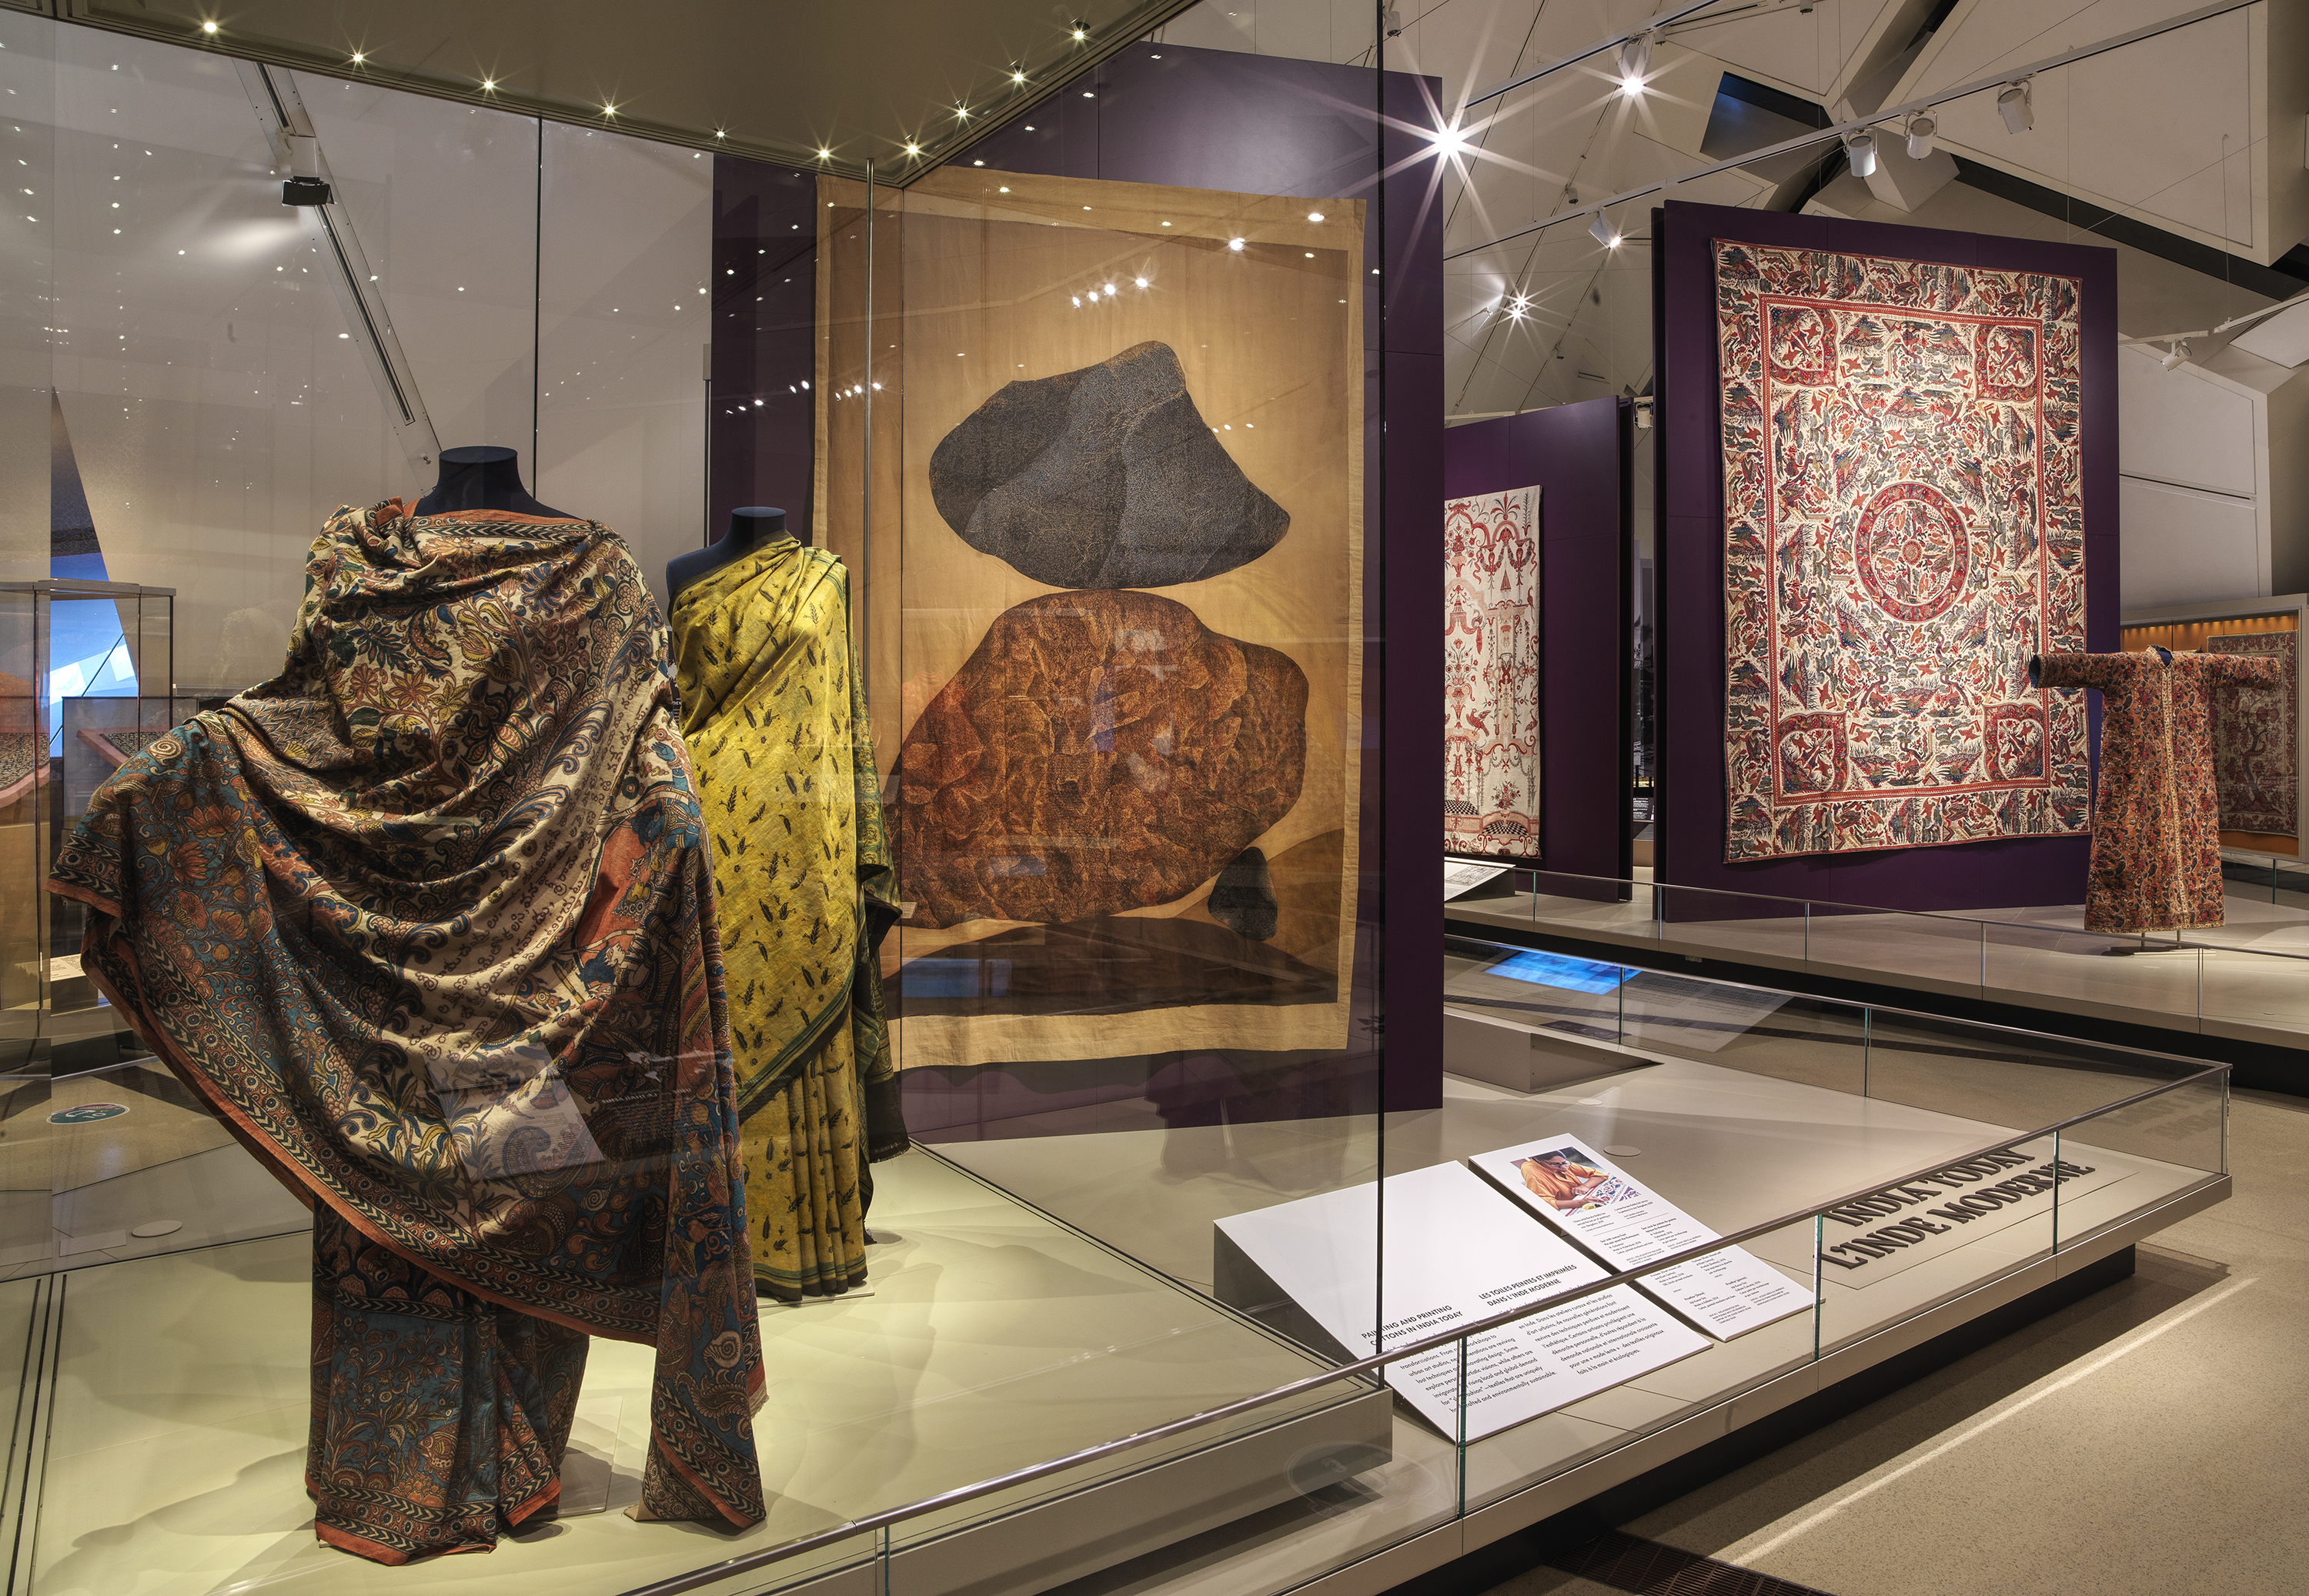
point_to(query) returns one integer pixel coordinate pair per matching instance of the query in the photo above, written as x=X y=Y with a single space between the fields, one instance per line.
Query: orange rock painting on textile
x=1099 y=751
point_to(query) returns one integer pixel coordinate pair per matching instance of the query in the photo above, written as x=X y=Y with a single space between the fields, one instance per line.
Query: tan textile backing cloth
x=983 y=279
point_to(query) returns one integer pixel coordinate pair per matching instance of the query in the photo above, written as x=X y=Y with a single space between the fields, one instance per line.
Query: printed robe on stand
x=775 y=713
x=2156 y=828
x=428 y=921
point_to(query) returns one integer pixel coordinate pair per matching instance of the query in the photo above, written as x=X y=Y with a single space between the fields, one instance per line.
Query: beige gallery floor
x=991 y=1339
x=2148 y=1439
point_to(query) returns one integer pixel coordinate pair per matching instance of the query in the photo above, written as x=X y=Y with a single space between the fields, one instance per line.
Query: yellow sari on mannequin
x=773 y=713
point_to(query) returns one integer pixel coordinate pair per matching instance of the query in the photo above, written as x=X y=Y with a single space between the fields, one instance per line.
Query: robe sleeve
x=2074 y=670
x=2246 y=670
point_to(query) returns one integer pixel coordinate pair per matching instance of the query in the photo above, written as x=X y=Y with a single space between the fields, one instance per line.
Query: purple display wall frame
x=1578 y=455
x=2009 y=873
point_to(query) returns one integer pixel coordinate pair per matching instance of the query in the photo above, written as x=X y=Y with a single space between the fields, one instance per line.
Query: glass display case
x=90 y=676
x=1247 y=1229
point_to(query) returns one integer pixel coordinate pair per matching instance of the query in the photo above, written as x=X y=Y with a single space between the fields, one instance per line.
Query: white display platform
x=1453 y=1253
x=1626 y=1224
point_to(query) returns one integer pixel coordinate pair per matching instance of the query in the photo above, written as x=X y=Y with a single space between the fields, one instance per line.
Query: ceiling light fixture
x=2175 y=355
x=1635 y=61
x=208 y=27
x=1080 y=34
x=1235 y=245
x=488 y=85
x=2016 y=104
x=825 y=155
x=1860 y=148
x=1142 y=282
x=1601 y=230
x=913 y=149
x=1018 y=77
x=358 y=58
x=1450 y=141
x=1314 y=216
x=1920 y=130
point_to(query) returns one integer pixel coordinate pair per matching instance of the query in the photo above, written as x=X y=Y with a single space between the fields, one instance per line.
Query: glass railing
x=2241 y=981
x=1936 y=1163
x=1047 y=1382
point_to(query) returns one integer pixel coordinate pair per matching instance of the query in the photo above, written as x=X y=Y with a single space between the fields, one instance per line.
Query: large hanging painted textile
x=2157 y=835
x=1904 y=527
x=1123 y=632
x=427 y=920
x=2257 y=739
x=1490 y=675
x=774 y=715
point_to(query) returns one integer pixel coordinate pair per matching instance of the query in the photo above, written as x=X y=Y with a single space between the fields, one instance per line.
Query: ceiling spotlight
x=1860 y=148
x=1517 y=307
x=1314 y=216
x=208 y=27
x=1450 y=141
x=1921 y=128
x=825 y=155
x=488 y=85
x=2015 y=105
x=1142 y=282
x=1600 y=230
x=1235 y=245
x=1018 y=77
x=1635 y=61
x=1080 y=34
x=2175 y=355
x=913 y=149
x=609 y=110
x=359 y=57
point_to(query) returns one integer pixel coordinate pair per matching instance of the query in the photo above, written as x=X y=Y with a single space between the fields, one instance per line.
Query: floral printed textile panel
x=2256 y=748
x=1903 y=528
x=1490 y=675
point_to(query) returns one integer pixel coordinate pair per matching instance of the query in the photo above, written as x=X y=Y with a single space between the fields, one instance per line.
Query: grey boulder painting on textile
x=1102 y=750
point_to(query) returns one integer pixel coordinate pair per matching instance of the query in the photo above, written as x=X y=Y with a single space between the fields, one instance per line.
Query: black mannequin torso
x=750 y=531
x=482 y=476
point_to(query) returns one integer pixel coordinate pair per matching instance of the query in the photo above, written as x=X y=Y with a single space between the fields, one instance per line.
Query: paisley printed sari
x=776 y=717
x=427 y=920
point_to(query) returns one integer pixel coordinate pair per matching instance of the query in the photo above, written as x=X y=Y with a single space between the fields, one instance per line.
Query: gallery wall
x=1690 y=528
x=1577 y=454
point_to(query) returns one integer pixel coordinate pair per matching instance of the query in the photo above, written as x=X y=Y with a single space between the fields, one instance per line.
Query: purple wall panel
x=1578 y=455
x=2007 y=874
x=1404 y=746
x=761 y=434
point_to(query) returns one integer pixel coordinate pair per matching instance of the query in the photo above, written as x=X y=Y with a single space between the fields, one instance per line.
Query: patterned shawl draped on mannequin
x=428 y=921
x=774 y=711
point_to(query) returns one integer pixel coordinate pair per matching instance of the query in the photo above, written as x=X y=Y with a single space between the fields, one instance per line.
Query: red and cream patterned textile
x=1904 y=526
x=2256 y=740
x=2156 y=833
x=1490 y=673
